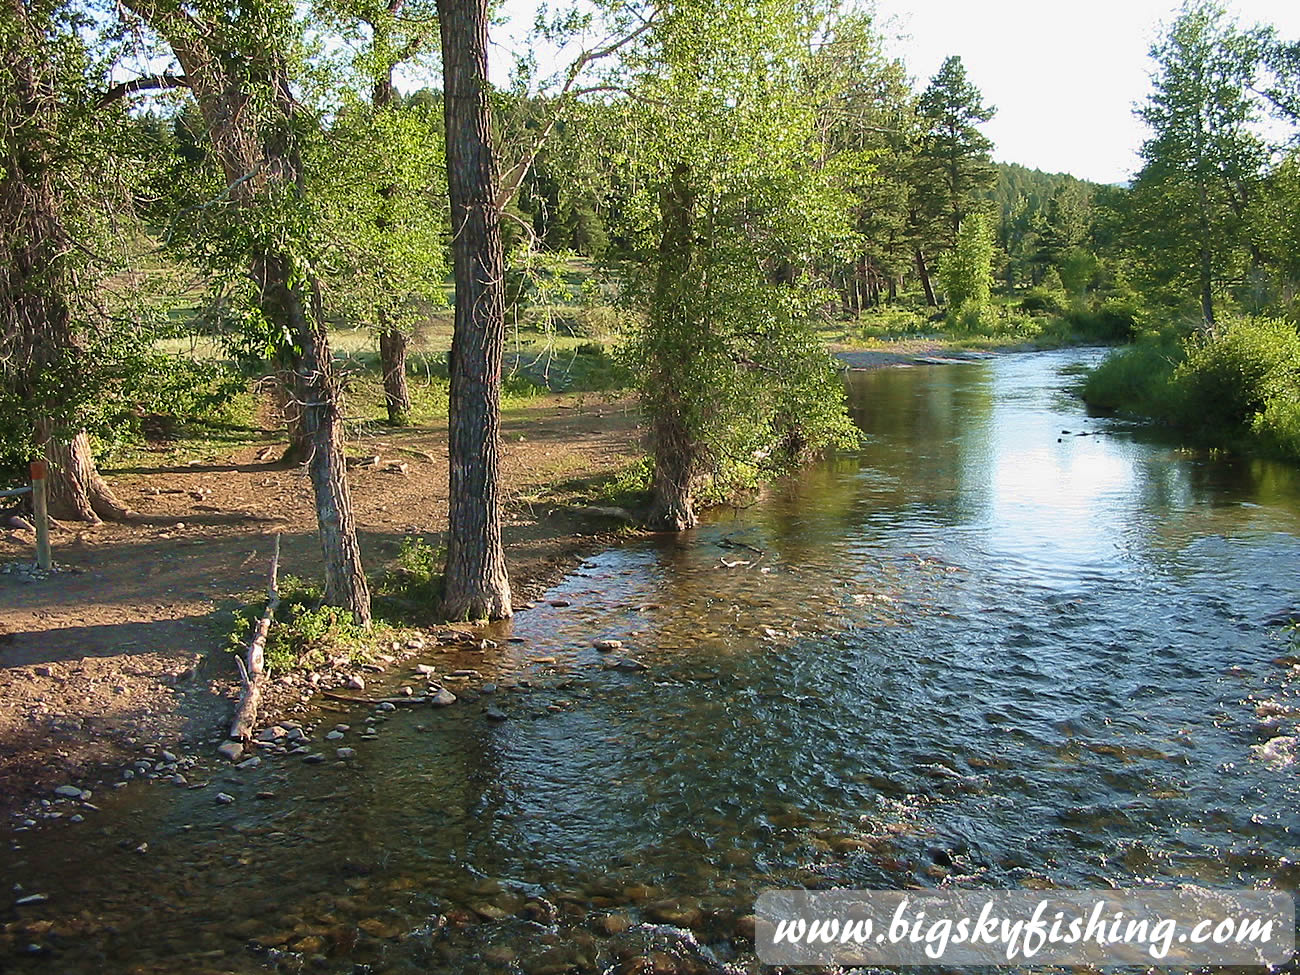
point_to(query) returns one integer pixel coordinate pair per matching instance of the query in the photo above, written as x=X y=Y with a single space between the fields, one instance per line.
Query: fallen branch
x=254 y=672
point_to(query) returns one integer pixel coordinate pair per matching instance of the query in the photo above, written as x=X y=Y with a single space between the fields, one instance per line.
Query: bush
x=1232 y=375
x=1240 y=380
x=1114 y=320
x=1137 y=379
x=1043 y=300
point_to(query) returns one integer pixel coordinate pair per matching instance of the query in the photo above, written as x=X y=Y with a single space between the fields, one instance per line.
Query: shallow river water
x=1005 y=645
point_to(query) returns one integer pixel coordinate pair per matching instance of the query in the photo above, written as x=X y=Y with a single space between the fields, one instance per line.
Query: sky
x=1064 y=75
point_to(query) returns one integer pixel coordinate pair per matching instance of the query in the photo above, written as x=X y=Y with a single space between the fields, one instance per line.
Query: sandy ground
x=122 y=650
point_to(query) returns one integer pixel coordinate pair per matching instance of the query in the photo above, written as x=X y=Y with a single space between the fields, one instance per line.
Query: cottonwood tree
x=1204 y=160
x=380 y=172
x=237 y=60
x=56 y=183
x=476 y=585
x=724 y=206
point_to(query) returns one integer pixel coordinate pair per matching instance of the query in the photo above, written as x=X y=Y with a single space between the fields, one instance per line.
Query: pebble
x=169 y=757
x=356 y=682
x=334 y=736
x=386 y=706
x=223 y=798
x=443 y=698
x=231 y=750
x=346 y=754
x=343 y=727
x=68 y=792
x=426 y=669
x=560 y=603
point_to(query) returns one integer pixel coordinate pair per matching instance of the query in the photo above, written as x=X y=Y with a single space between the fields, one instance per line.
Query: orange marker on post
x=40 y=509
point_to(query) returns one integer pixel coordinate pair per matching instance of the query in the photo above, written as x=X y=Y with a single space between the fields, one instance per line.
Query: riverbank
x=120 y=656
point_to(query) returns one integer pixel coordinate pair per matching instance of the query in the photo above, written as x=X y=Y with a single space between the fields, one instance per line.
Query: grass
x=307 y=634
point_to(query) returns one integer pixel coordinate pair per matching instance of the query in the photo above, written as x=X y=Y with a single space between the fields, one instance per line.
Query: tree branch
x=157 y=82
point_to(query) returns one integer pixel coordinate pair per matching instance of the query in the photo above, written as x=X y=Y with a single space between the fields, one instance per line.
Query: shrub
x=1137 y=379
x=1043 y=300
x=1231 y=375
x=1114 y=320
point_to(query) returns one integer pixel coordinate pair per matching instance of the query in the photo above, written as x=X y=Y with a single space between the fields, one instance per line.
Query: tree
x=376 y=174
x=1204 y=161
x=476 y=585
x=967 y=274
x=951 y=162
x=724 y=209
x=236 y=60
x=51 y=154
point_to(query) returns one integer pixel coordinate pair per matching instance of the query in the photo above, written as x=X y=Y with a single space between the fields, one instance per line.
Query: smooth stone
x=605 y=646
x=495 y=714
x=333 y=736
x=356 y=682
x=68 y=792
x=346 y=753
x=253 y=762
x=231 y=750
x=443 y=698
x=224 y=798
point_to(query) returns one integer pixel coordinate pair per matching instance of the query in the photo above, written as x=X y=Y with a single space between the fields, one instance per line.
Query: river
x=1005 y=644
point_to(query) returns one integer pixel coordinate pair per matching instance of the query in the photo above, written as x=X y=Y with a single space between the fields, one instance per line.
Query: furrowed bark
x=475 y=582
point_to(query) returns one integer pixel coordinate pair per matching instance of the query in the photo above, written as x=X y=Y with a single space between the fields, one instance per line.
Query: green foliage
x=416 y=574
x=967 y=276
x=1137 y=379
x=1230 y=376
x=305 y=633
x=1239 y=382
x=1111 y=320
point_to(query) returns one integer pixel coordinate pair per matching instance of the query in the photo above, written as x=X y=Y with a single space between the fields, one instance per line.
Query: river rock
x=605 y=646
x=443 y=698
x=356 y=683
x=680 y=914
x=68 y=792
x=386 y=706
x=613 y=924
x=253 y=762
x=333 y=735
x=231 y=751
x=347 y=754
x=426 y=669
x=223 y=798
x=495 y=714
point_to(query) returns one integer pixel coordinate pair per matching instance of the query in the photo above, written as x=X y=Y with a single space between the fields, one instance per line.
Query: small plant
x=416 y=574
x=305 y=632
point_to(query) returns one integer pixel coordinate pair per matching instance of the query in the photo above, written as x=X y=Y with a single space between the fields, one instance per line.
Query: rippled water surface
x=1005 y=645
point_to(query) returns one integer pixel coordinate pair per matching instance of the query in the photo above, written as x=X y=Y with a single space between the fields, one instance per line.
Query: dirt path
x=121 y=651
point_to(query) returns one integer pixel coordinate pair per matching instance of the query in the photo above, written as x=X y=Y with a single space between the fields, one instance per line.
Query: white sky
x=1064 y=75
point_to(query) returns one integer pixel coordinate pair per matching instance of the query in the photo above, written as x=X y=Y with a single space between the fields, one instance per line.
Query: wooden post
x=39 y=508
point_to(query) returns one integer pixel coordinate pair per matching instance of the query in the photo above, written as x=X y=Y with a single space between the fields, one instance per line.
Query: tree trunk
x=924 y=273
x=77 y=491
x=475 y=582
x=672 y=505
x=257 y=160
x=1206 y=270
x=392 y=361
x=38 y=342
x=676 y=452
x=320 y=400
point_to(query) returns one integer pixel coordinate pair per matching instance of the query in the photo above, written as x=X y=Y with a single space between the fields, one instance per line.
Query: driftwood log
x=253 y=672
